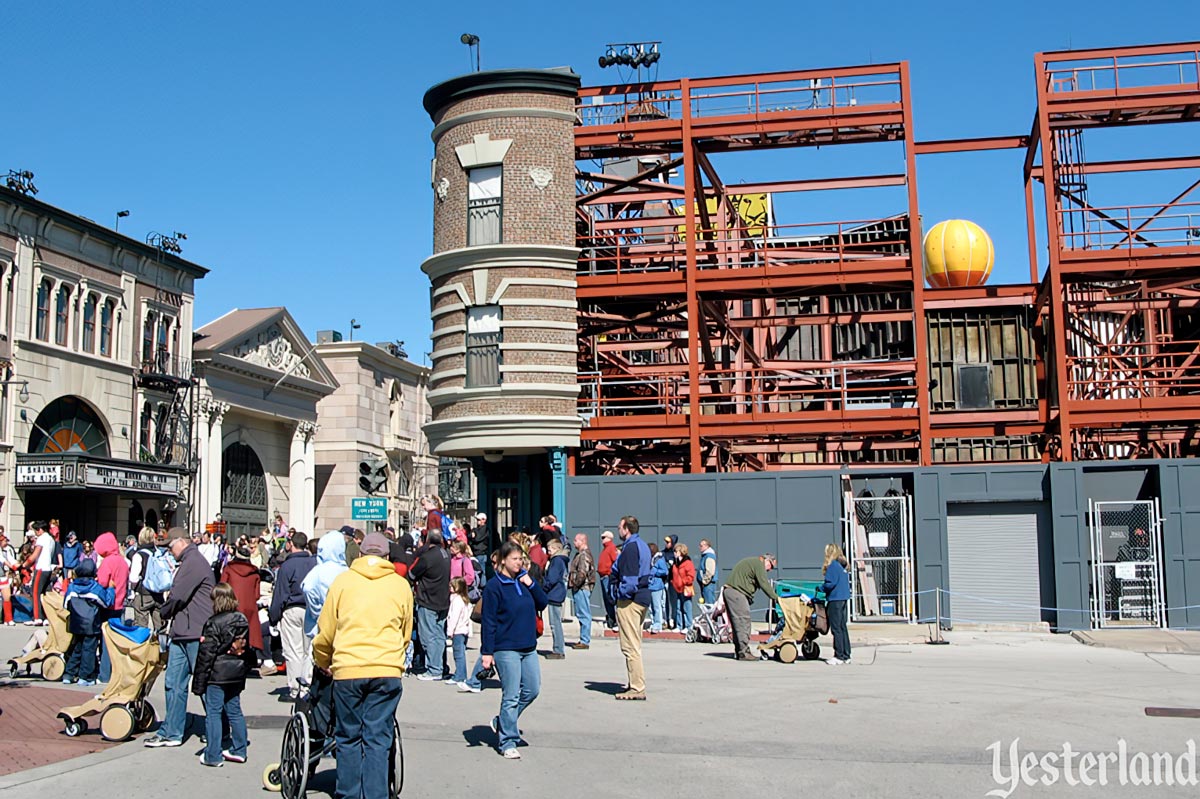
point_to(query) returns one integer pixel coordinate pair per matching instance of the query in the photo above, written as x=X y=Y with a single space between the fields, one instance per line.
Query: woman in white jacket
x=458 y=627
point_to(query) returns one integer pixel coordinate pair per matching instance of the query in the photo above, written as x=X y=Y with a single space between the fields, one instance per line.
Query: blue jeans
x=105 y=663
x=555 y=612
x=709 y=592
x=223 y=700
x=81 y=657
x=683 y=611
x=610 y=608
x=366 y=712
x=672 y=604
x=473 y=678
x=181 y=660
x=431 y=627
x=520 y=682
x=460 y=658
x=657 y=599
x=582 y=600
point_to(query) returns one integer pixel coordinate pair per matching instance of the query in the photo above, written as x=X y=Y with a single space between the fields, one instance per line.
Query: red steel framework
x=714 y=338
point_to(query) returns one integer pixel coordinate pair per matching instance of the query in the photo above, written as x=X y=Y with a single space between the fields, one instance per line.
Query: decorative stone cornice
x=501 y=256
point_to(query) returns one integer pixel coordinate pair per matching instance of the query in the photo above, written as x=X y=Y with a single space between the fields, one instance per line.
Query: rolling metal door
x=994 y=571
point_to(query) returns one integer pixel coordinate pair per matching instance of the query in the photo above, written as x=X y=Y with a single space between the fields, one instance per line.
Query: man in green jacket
x=749 y=576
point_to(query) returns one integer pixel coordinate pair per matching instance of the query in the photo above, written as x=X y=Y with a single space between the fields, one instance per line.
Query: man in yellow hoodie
x=362 y=634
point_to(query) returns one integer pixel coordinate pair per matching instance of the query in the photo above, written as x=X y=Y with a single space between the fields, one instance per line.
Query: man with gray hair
x=748 y=577
x=430 y=575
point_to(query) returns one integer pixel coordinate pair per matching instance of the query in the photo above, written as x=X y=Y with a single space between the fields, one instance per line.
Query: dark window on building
x=485 y=205
x=974 y=386
x=483 y=346
x=106 y=327
x=147 y=421
x=62 y=315
x=148 y=337
x=89 y=323
x=42 y=328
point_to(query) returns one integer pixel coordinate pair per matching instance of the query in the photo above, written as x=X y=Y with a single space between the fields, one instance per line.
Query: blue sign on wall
x=369 y=509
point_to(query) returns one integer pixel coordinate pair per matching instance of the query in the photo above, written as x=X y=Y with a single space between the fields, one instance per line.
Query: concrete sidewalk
x=1153 y=641
x=907 y=720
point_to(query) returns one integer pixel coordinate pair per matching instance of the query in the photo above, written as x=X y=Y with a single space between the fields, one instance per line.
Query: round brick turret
x=503 y=263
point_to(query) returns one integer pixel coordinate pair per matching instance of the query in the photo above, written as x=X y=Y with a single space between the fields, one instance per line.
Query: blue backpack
x=447 y=527
x=160 y=574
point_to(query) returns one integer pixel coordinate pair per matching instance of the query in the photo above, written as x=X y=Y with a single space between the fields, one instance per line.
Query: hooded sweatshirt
x=114 y=569
x=331 y=561
x=366 y=623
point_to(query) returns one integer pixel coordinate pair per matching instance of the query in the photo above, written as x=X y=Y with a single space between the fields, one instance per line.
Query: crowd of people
x=360 y=610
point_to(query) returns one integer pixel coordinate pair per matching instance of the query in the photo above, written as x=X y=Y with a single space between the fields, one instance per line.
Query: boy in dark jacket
x=86 y=600
x=555 y=586
x=222 y=662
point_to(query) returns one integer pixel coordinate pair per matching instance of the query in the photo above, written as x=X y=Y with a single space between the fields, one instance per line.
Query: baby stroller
x=52 y=653
x=308 y=737
x=802 y=610
x=122 y=706
x=711 y=625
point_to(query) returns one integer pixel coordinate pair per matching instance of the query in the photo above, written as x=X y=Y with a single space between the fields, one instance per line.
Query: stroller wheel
x=787 y=653
x=75 y=727
x=53 y=667
x=396 y=783
x=12 y=670
x=116 y=723
x=690 y=636
x=811 y=650
x=147 y=717
x=271 y=778
x=294 y=758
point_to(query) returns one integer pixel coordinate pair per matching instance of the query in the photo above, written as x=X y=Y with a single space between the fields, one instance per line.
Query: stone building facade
x=96 y=363
x=376 y=412
x=503 y=389
x=257 y=420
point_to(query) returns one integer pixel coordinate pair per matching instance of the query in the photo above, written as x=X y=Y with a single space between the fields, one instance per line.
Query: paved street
x=906 y=720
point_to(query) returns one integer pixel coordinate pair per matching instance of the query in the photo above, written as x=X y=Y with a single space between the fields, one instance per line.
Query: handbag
x=689 y=591
x=473 y=593
x=477 y=611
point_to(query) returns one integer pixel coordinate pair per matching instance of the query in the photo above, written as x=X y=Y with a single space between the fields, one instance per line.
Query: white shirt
x=45 y=561
x=210 y=552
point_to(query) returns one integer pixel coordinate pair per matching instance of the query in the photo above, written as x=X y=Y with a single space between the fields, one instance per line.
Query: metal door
x=1126 y=588
x=879 y=544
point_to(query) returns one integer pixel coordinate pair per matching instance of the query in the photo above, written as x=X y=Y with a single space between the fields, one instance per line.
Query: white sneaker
x=427 y=677
x=463 y=688
x=834 y=662
x=511 y=754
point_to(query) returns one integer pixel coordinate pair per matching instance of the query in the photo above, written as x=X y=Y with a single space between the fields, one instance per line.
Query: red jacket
x=246 y=583
x=538 y=555
x=114 y=570
x=683 y=575
x=608 y=556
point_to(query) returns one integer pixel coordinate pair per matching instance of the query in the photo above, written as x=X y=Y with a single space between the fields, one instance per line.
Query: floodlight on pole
x=472 y=43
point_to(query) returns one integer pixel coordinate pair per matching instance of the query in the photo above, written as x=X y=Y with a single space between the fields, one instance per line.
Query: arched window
x=243 y=491
x=69 y=425
x=106 y=327
x=62 y=315
x=164 y=336
x=42 y=327
x=89 y=323
x=148 y=337
x=162 y=448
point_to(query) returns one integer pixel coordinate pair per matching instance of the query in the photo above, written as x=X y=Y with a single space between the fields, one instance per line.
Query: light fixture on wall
x=23 y=394
x=493 y=455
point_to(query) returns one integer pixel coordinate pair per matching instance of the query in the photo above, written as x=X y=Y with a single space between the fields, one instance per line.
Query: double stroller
x=51 y=652
x=802 y=617
x=308 y=737
x=122 y=706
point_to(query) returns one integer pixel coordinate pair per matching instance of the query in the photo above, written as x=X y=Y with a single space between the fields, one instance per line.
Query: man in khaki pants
x=629 y=585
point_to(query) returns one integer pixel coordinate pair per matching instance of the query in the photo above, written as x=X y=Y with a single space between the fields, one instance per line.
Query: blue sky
x=288 y=139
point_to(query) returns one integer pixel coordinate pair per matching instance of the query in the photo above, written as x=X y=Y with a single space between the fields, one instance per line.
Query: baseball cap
x=346 y=530
x=374 y=544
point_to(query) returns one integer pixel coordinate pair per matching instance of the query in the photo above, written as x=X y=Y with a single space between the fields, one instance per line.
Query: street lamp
x=23 y=394
x=354 y=325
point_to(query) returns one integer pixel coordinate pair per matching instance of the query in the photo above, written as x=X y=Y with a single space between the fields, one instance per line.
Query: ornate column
x=210 y=464
x=302 y=478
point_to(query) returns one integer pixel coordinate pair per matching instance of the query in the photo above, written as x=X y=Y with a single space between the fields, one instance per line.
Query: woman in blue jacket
x=837 y=594
x=511 y=603
x=660 y=570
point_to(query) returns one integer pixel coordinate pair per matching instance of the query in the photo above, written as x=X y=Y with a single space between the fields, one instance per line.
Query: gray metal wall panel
x=993 y=557
x=1180 y=484
x=1072 y=575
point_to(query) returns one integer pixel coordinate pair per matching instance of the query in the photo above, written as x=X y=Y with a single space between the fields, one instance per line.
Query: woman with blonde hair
x=837 y=595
